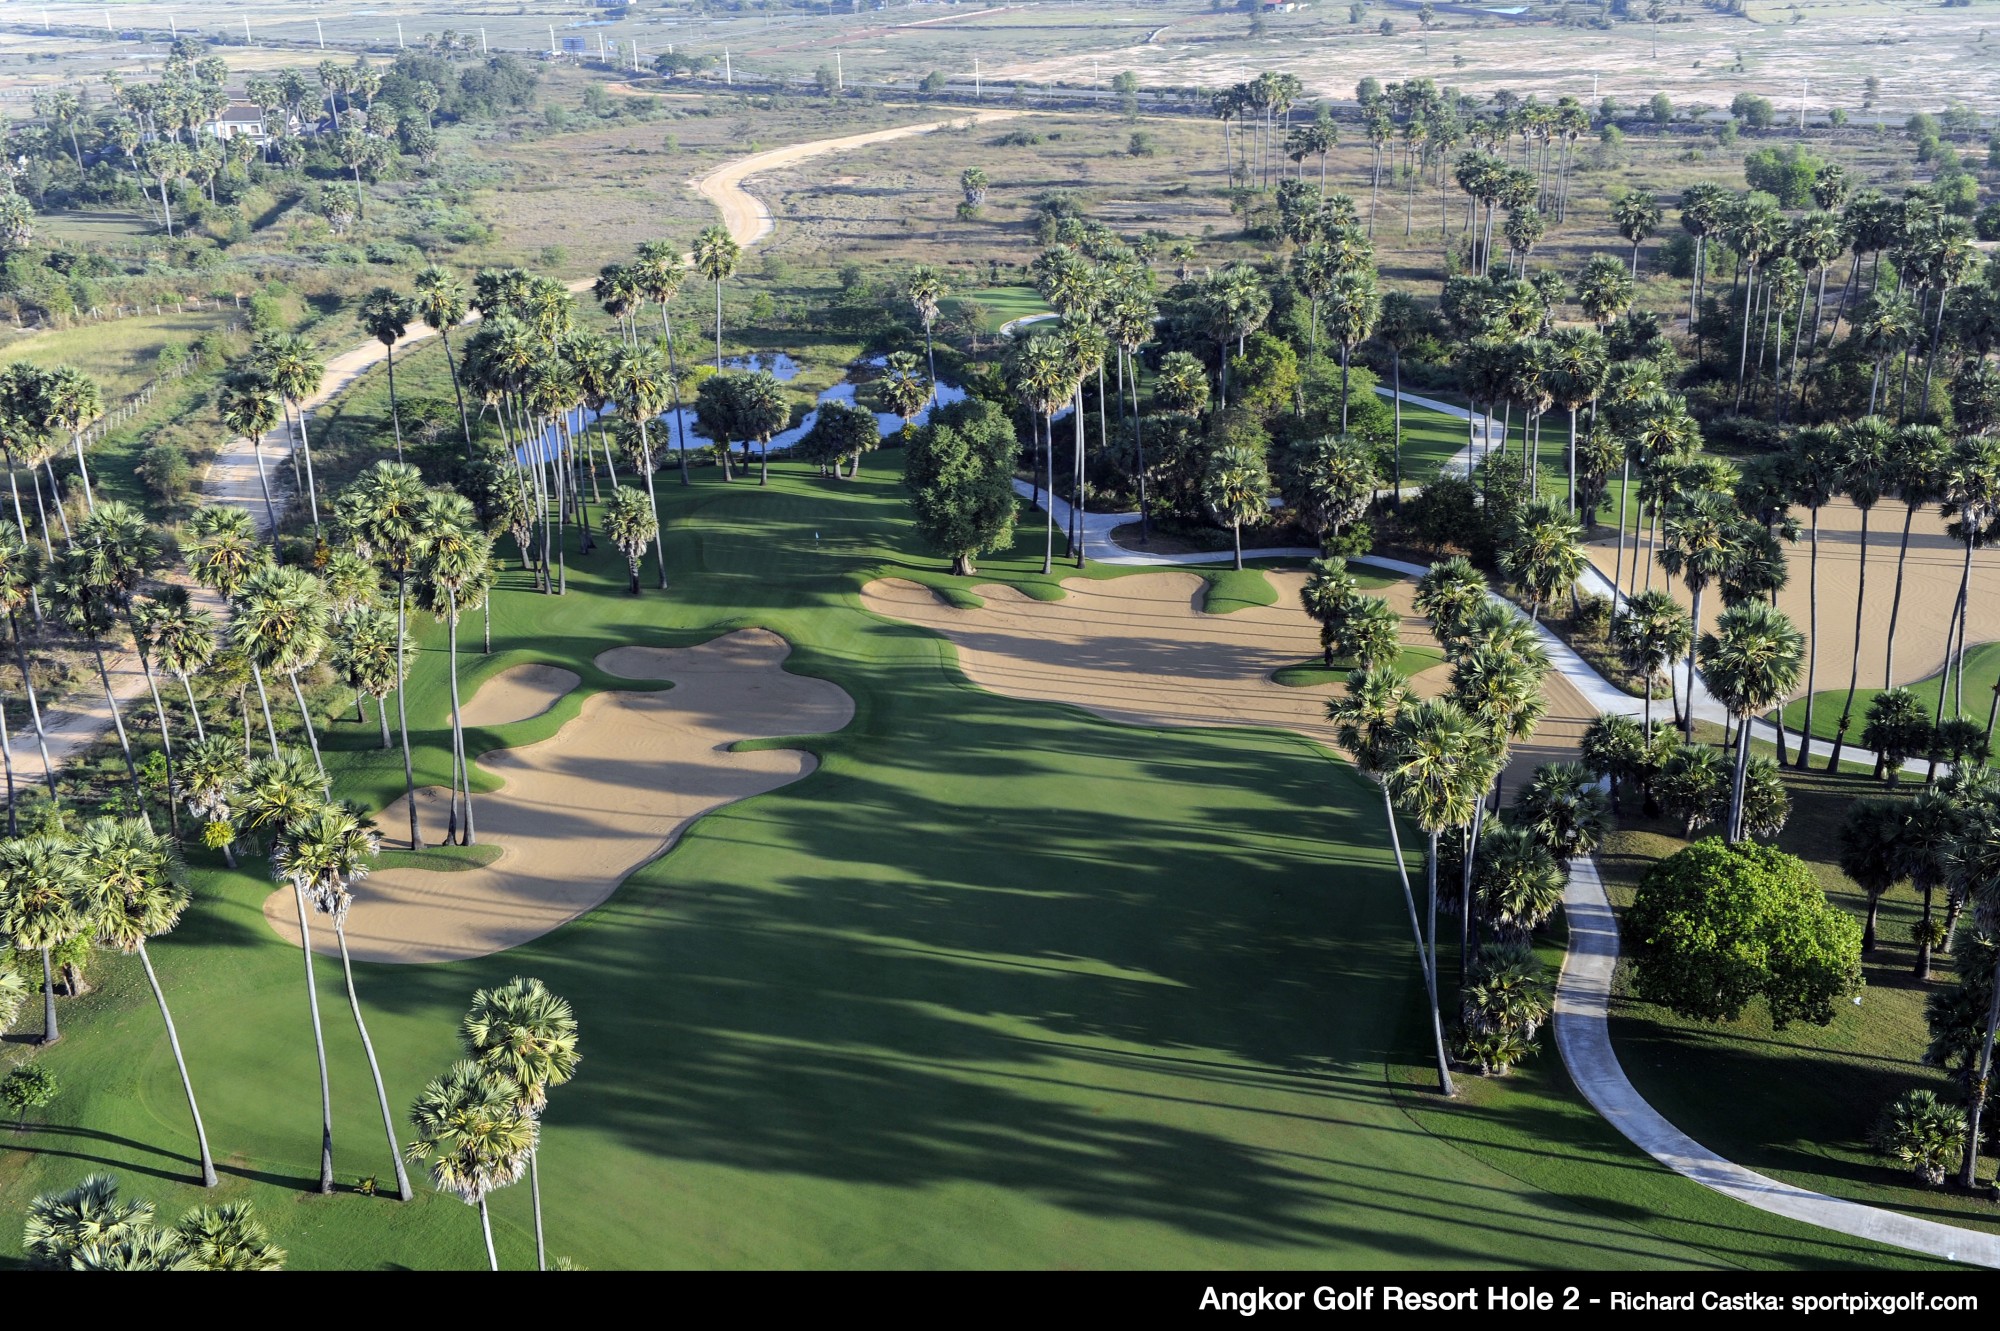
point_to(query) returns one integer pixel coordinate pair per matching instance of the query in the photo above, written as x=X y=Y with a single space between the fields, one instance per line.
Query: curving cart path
x=1583 y=991
x=80 y=720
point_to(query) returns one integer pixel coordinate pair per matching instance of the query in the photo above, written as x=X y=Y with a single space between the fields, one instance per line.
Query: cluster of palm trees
x=1262 y=110
x=90 y=1228
x=479 y=1125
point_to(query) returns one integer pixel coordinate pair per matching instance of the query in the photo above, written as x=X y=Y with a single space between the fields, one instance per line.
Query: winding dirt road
x=73 y=723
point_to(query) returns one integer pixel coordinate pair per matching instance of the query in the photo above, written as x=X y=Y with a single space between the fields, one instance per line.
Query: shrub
x=29 y=1086
x=167 y=472
x=1923 y=1133
x=1718 y=925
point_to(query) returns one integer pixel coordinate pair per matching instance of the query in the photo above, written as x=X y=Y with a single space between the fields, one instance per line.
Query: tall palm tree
x=210 y=778
x=249 y=408
x=1501 y=690
x=1637 y=217
x=322 y=855
x=1042 y=377
x=926 y=287
x=365 y=657
x=1971 y=485
x=1237 y=488
x=182 y=637
x=72 y=400
x=132 y=883
x=439 y=299
x=1869 y=837
x=1864 y=475
x=82 y=598
x=379 y=513
x=1352 y=308
x=1814 y=464
x=1442 y=768
x=1449 y=594
x=280 y=624
x=1545 y=557
x=454 y=559
x=41 y=907
x=1650 y=632
x=628 y=521
x=1751 y=662
x=1699 y=547
x=1314 y=271
x=527 y=1036
x=1932 y=823
x=1404 y=321
x=1129 y=321
x=471 y=1127
x=296 y=372
x=641 y=389
x=1365 y=725
x=660 y=270
x=386 y=314
x=1975 y=867
x=1918 y=456
x=1580 y=363
x=715 y=257
x=19 y=572
x=1085 y=345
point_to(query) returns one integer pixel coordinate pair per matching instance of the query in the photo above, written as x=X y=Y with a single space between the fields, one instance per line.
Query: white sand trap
x=1137 y=649
x=518 y=693
x=579 y=811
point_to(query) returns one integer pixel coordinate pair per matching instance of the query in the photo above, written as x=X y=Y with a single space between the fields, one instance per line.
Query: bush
x=1923 y=1133
x=1718 y=925
x=1141 y=144
x=167 y=472
x=29 y=1086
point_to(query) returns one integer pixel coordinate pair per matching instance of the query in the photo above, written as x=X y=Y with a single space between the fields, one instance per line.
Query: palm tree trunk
x=402 y=710
x=166 y=739
x=382 y=715
x=118 y=725
x=1572 y=462
x=1738 y=779
x=1922 y=970
x=486 y=1228
x=1430 y=958
x=208 y=1179
x=7 y=753
x=319 y=1043
x=1049 y=540
x=451 y=367
x=1417 y=932
x=1618 y=569
x=1812 y=643
x=395 y=420
x=264 y=481
x=1236 y=528
x=312 y=736
x=1969 y=1168
x=83 y=471
x=458 y=726
x=535 y=1191
x=1896 y=602
x=312 y=489
x=1139 y=443
x=374 y=1069
x=1344 y=349
x=50 y=1032
x=1854 y=669
x=1688 y=733
x=1743 y=359
x=653 y=500
x=55 y=494
x=193 y=711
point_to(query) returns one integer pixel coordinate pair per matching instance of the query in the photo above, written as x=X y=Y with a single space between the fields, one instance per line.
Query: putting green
x=1000 y=984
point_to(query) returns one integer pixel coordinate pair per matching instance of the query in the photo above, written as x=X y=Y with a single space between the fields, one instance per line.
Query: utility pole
x=728 y=74
x=1803 y=85
x=173 y=28
x=839 y=75
x=322 y=34
x=975 y=76
x=399 y=34
x=482 y=41
x=246 y=30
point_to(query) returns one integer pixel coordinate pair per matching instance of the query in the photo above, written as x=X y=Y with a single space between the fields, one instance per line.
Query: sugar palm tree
x=1864 y=476
x=61 y=1224
x=209 y=779
x=1637 y=217
x=1918 y=455
x=1751 y=662
x=1971 y=485
x=1129 y=321
x=1699 y=547
x=453 y=562
x=1932 y=824
x=225 y=1238
x=640 y=387
x=1869 y=837
x=926 y=287
x=83 y=600
x=715 y=257
x=1314 y=271
x=322 y=855
x=1813 y=467
x=439 y=300
x=1448 y=594
x=1352 y=307
x=365 y=657
x=249 y=408
x=134 y=891
x=1974 y=860
x=20 y=568
x=1545 y=557
x=280 y=624
x=1516 y=881
x=41 y=907
x=1327 y=596
x=1365 y=725
x=1500 y=689
x=1404 y=322
x=71 y=400
x=527 y=1036
x=386 y=314
x=1442 y=768
x=1043 y=377
x=1651 y=631
x=1580 y=364
x=379 y=512
x=629 y=522
x=182 y=637
x=1085 y=346
x=472 y=1129
x=1236 y=487
x=660 y=270
x=296 y=372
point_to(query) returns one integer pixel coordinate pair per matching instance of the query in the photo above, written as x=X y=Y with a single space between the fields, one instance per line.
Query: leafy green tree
x=840 y=431
x=959 y=471
x=28 y=1087
x=1717 y=925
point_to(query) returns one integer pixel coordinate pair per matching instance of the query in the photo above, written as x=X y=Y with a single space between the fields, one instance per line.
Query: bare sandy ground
x=1930 y=587
x=517 y=693
x=1139 y=650
x=610 y=791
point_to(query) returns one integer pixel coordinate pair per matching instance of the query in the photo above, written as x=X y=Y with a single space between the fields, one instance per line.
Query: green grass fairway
x=1982 y=677
x=999 y=985
x=1001 y=304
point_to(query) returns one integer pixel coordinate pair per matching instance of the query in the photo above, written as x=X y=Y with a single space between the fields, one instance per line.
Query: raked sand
x=1139 y=649
x=580 y=810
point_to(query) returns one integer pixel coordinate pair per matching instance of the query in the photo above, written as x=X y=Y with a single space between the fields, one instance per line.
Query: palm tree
x=1604 y=290
x=1448 y=594
x=62 y=1224
x=1580 y=363
x=365 y=657
x=1975 y=867
x=1753 y=226
x=322 y=855
x=182 y=637
x=1918 y=456
x=470 y=1125
x=641 y=389
x=71 y=401
x=1864 y=475
x=1813 y=467
x=1352 y=308
x=660 y=272
x=1516 y=882
x=1932 y=823
x=1650 y=632
x=527 y=1036
x=1314 y=271
x=1699 y=546
x=379 y=512
x=1637 y=217
x=1130 y=324
x=1442 y=768
x=1404 y=321
x=210 y=776
x=1236 y=488
x=225 y=1238
x=1545 y=557
x=1365 y=725
x=453 y=564
x=715 y=256
x=629 y=522
x=83 y=598
x=1971 y=485
x=1085 y=345
x=1613 y=747
x=1500 y=689
x=1042 y=375
x=280 y=624
x=1869 y=837
x=1565 y=811
x=440 y=303
x=41 y=907
x=926 y=287
x=1751 y=662
x=386 y=314
x=19 y=567
x=132 y=882
x=296 y=372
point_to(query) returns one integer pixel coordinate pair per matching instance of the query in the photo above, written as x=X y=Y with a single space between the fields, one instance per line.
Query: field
x=122 y=355
x=952 y=1000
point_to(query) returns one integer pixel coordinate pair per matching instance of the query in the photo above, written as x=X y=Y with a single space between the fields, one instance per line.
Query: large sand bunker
x=579 y=811
x=1139 y=649
x=517 y=693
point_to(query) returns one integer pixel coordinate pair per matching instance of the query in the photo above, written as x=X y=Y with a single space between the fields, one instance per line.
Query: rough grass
x=1982 y=683
x=1312 y=673
x=120 y=354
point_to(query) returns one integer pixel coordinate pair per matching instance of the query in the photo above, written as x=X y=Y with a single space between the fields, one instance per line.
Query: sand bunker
x=1138 y=649
x=516 y=694
x=579 y=811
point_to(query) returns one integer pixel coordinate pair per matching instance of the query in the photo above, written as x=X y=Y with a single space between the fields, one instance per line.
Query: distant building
x=572 y=46
x=238 y=120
